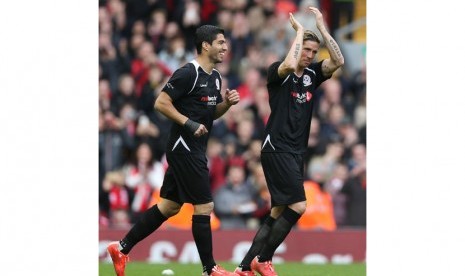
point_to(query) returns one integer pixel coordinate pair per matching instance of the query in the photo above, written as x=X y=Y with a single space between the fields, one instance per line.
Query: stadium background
x=50 y=165
x=142 y=42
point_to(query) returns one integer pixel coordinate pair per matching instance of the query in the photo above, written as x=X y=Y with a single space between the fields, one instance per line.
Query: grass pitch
x=287 y=269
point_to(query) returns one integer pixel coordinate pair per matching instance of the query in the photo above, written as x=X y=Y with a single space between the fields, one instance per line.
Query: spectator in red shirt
x=140 y=67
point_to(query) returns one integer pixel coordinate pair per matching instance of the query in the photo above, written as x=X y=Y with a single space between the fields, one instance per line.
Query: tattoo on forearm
x=296 y=52
x=335 y=48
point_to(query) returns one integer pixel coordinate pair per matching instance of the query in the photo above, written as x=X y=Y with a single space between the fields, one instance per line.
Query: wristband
x=191 y=125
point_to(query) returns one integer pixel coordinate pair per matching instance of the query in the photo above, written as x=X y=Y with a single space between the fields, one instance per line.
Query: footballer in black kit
x=286 y=134
x=195 y=94
x=291 y=85
x=192 y=100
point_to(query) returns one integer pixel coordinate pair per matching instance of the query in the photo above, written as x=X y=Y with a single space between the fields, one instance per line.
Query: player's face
x=218 y=49
x=309 y=52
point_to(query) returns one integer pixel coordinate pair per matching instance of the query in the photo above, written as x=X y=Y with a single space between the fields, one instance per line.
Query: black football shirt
x=291 y=101
x=195 y=94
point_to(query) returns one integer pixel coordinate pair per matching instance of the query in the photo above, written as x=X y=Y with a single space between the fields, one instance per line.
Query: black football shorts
x=187 y=179
x=284 y=177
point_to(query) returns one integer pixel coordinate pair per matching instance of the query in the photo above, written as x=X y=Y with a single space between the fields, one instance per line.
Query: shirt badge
x=307 y=80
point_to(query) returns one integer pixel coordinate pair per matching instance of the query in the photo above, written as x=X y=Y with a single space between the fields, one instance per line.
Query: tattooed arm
x=291 y=61
x=336 y=59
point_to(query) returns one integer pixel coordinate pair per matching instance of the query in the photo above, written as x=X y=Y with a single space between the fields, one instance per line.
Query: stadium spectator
x=118 y=197
x=263 y=200
x=319 y=214
x=115 y=143
x=147 y=132
x=187 y=16
x=142 y=175
x=252 y=81
x=240 y=40
x=355 y=187
x=108 y=58
x=235 y=200
x=325 y=164
x=117 y=10
x=140 y=67
x=315 y=146
x=334 y=186
x=350 y=137
x=128 y=123
x=252 y=154
x=262 y=108
x=124 y=95
x=245 y=135
x=156 y=29
x=216 y=163
x=331 y=95
x=225 y=20
x=150 y=91
x=141 y=9
x=124 y=56
x=175 y=55
x=330 y=125
x=256 y=18
x=273 y=38
x=172 y=30
x=104 y=95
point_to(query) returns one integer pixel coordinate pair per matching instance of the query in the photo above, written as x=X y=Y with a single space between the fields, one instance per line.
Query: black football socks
x=258 y=242
x=202 y=233
x=278 y=233
x=149 y=221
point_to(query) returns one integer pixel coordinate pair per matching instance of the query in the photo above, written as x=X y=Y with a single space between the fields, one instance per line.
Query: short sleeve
x=273 y=72
x=319 y=72
x=181 y=82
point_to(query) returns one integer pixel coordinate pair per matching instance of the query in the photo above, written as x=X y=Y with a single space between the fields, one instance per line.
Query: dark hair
x=309 y=35
x=206 y=33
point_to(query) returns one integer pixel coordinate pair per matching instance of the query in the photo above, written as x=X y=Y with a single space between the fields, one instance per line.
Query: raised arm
x=336 y=59
x=291 y=61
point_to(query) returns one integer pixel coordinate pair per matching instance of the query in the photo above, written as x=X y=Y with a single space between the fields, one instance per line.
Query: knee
x=203 y=209
x=169 y=208
x=173 y=210
x=299 y=207
x=276 y=211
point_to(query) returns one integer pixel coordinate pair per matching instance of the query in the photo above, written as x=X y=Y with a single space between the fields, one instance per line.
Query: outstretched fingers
x=294 y=23
x=318 y=15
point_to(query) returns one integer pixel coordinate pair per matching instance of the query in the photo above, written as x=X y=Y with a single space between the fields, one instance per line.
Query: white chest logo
x=307 y=80
x=217 y=84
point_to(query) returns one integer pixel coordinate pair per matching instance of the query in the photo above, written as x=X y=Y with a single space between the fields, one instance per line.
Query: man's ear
x=205 y=45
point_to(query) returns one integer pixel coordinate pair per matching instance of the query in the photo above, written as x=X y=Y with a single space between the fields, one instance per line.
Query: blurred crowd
x=142 y=42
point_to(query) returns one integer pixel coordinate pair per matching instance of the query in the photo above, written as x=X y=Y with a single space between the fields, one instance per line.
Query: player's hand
x=195 y=128
x=320 y=23
x=294 y=23
x=202 y=130
x=232 y=97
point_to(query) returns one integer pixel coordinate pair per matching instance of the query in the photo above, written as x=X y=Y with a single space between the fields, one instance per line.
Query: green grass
x=288 y=269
